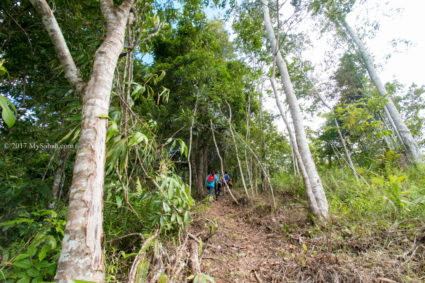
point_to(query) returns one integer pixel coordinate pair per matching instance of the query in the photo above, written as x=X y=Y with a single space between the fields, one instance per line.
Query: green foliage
x=201 y=278
x=358 y=117
x=8 y=111
x=7 y=107
x=410 y=104
x=388 y=198
x=34 y=256
x=168 y=208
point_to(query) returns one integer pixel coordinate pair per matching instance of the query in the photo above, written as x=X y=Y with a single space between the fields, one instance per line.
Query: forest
x=114 y=112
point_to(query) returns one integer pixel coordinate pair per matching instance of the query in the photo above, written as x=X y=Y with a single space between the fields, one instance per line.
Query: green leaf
x=51 y=241
x=32 y=251
x=112 y=129
x=170 y=191
x=138 y=90
x=82 y=281
x=137 y=138
x=21 y=256
x=33 y=272
x=179 y=220
x=103 y=116
x=42 y=264
x=166 y=207
x=70 y=133
x=186 y=216
x=43 y=252
x=162 y=75
x=24 y=279
x=3 y=70
x=37 y=280
x=26 y=263
x=163 y=278
x=118 y=200
x=7 y=114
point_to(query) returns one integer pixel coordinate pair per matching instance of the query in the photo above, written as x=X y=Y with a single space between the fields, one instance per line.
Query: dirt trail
x=254 y=243
x=237 y=251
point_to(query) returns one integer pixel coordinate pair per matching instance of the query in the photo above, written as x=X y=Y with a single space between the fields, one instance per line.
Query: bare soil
x=256 y=243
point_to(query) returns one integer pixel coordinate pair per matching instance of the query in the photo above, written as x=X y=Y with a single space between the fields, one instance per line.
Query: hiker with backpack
x=220 y=184
x=211 y=182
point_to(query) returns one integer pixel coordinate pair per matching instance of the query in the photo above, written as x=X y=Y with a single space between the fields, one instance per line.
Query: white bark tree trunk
x=346 y=151
x=307 y=158
x=262 y=166
x=82 y=253
x=311 y=197
x=400 y=126
x=221 y=162
x=237 y=153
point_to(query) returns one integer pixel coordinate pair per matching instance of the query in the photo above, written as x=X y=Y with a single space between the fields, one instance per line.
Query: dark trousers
x=217 y=191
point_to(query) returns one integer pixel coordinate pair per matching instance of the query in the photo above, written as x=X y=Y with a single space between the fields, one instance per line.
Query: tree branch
x=126 y=4
x=72 y=73
x=107 y=8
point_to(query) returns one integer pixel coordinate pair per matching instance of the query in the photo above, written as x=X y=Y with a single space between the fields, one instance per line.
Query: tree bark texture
x=82 y=252
x=400 y=126
x=311 y=197
x=58 y=176
x=72 y=73
x=307 y=158
x=190 y=144
x=200 y=167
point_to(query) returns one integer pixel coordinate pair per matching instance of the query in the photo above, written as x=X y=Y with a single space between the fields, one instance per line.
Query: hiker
x=211 y=182
x=230 y=183
x=220 y=184
x=226 y=177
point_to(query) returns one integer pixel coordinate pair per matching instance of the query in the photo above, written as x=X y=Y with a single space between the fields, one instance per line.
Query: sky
x=407 y=62
x=400 y=20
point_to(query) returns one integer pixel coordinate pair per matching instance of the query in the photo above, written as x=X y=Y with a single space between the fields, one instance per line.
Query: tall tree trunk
x=200 y=166
x=195 y=168
x=236 y=150
x=307 y=158
x=388 y=115
x=400 y=126
x=260 y=117
x=190 y=144
x=391 y=140
x=221 y=162
x=311 y=197
x=63 y=157
x=266 y=179
x=346 y=150
x=82 y=253
x=248 y=111
x=239 y=161
x=347 y=153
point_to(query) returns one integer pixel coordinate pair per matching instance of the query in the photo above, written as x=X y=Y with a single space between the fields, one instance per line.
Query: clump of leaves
x=35 y=259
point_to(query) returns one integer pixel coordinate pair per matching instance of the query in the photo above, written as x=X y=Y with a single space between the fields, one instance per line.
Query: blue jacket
x=212 y=184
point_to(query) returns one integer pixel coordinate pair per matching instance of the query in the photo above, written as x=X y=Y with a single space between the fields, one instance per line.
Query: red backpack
x=211 y=178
